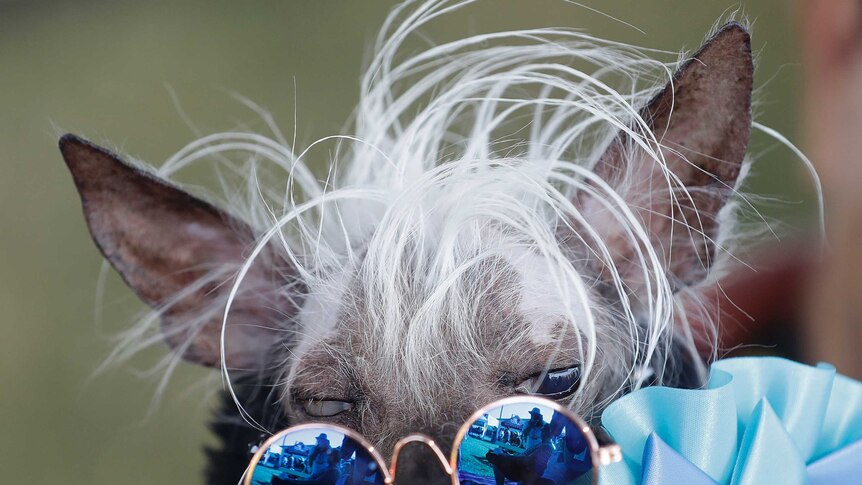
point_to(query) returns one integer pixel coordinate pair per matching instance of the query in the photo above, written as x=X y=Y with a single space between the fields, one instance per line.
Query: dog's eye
x=324 y=408
x=555 y=384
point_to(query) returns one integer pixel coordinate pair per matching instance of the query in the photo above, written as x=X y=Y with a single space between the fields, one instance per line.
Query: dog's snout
x=418 y=463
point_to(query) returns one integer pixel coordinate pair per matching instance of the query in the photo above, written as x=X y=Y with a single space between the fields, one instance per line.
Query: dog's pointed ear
x=701 y=122
x=180 y=254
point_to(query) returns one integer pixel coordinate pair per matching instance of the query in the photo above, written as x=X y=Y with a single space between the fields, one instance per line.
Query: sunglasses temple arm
x=610 y=454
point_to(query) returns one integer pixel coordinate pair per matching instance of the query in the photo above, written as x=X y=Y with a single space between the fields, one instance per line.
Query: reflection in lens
x=524 y=443
x=315 y=456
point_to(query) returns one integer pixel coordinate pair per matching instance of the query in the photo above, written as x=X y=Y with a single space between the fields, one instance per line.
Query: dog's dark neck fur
x=227 y=461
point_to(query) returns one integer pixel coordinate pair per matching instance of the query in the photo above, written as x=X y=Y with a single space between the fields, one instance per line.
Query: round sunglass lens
x=524 y=443
x=318 y=455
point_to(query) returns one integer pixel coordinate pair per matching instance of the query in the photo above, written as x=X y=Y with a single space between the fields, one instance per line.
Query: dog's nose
x=417 y=463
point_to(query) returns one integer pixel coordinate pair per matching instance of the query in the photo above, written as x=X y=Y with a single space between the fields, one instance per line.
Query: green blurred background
x=105 y=69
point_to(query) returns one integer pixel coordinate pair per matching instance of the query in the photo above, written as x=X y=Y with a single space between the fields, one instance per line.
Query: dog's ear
x=180 y=255
x=701 y=121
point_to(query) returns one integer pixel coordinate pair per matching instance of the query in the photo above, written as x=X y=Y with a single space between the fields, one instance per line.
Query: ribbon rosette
x=759 y=420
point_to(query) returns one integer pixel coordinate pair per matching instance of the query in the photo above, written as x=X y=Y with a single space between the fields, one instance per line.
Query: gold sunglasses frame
x=600 y=455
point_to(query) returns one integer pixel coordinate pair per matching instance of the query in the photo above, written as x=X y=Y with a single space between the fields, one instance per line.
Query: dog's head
x=408 y=301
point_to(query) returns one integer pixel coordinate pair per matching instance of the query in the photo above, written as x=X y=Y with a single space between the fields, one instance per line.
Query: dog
x=499 y=221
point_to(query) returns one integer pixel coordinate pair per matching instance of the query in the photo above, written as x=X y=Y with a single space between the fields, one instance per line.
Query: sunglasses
x=521 y=440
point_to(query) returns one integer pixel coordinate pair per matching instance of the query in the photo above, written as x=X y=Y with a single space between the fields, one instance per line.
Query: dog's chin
x=418 y=465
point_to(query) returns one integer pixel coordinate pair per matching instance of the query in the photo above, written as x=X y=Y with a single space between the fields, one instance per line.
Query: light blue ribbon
x=759 y=420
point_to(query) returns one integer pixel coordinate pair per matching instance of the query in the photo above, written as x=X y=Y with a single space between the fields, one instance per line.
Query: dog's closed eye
x=553 y=384
x=324 y=408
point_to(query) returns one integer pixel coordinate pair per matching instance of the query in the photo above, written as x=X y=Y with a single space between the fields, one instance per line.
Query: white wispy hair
x=464 y=153
x=462 y=157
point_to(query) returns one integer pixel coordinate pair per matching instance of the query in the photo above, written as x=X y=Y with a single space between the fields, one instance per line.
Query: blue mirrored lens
x=524 y=443
x=315 y=456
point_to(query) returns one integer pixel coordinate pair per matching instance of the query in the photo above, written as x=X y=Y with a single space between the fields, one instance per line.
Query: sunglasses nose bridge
x=419 y=439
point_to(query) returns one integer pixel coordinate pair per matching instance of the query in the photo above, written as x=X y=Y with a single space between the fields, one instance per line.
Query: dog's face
x=413 y=332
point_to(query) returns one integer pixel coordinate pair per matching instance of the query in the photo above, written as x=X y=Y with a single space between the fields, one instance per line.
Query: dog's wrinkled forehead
x=497 y=319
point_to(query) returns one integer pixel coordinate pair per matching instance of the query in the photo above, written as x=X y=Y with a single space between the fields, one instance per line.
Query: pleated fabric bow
x=760 y=420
